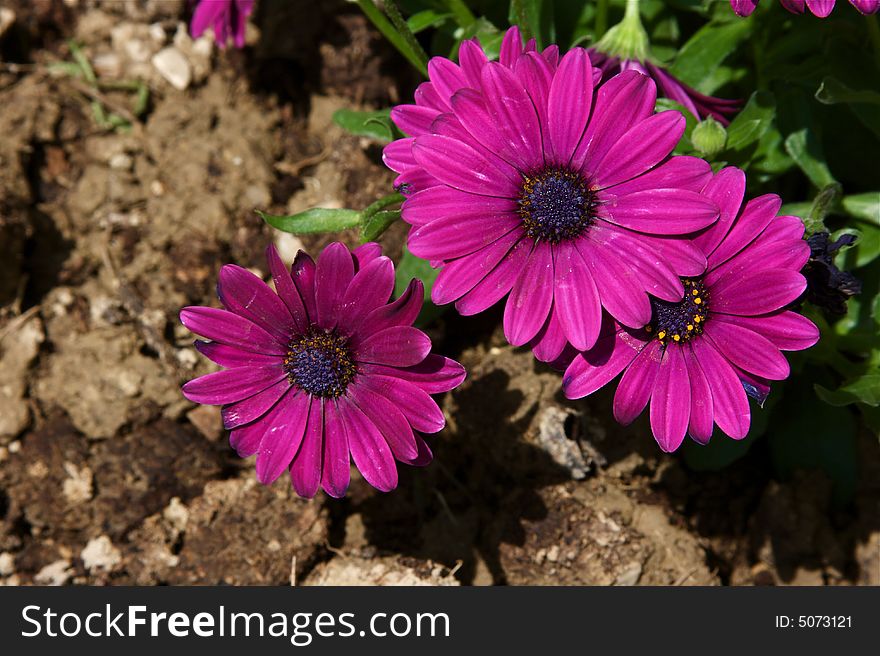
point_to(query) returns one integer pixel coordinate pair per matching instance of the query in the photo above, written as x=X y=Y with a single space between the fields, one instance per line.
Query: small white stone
x=7 y=563
x=57 y=573
x=14 y=447
x=288 y=246
x=100 y=554
x=157 y=33
x=137 y=51
x=174 y=67
x=121 y=162
x=107 y=64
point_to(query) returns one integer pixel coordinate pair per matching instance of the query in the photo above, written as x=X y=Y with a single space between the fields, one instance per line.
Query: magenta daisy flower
x=525 y=181
x=820 y=8
x=322 y=368
x=698 y=357
x=698 y=104
x=228 y=19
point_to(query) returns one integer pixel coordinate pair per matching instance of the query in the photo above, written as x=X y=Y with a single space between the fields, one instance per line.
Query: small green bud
x=709 y=137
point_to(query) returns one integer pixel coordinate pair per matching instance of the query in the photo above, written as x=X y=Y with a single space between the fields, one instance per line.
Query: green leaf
x=808 y=435
x=703 y=53
x=318 y=219
x=411 y=267
x=374 y=225
x=864 y=206
x=752 y=122
x=865 y=389
x=375 y=125
x=807 y=154
x=833 y=91
x=422 y=20
x=822 y=204
x=685 y=145
x=535 y=19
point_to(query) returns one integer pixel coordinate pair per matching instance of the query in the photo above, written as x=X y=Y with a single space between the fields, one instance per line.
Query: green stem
x=600 y=25
x=874 y=33
x=463 y=16
x=382 y=203
x=522 y=18
x=403 y=29
x=415 y=57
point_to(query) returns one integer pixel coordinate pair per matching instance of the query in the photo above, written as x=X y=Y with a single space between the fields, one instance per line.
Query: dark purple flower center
x=320 y=363
x=678 y=322
x=556 y=205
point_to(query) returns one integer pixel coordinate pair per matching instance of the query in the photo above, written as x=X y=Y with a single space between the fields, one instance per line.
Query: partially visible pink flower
x=820 y=8
x=323 y=370
x=700 y=357
x=698 y=104
x=228 y=18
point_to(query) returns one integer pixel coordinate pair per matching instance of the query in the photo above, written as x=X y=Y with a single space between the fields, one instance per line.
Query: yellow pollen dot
x=661 y=334
x=698 y=319
x=698 y=300
x=677 y=338
x=690 y=327
x=695 y=292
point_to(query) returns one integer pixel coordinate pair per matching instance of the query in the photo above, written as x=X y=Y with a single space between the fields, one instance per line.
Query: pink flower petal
x=231 y=385
x=726 y=189
x=747 y=349
x=729 y=401
x=460 y=166
x=303 y=273
x=393 y=426
x=305 y=472
x=637 y=384
x=788 y=331
x=231 y=329
x=757 y=293
x=671 y=400
x=370 y=289
x=458 y=235
x=550 y=341
x=577 y=303
x=430 y=204
x=336 y=459
x=283 y=436
x=642 y=147
x=369 y=450
x=755 y=216
x=461 y=275
x=597 y=367
x=510 y=107
x=498 y=282
x=334 y=273
x=622 y=102
x=398 y=346
x=252 y=408
x=531 y=297
x=414 y=120
x=435 y=374
x=233 y=356
x=287 y=290
x=701 y=421
x=569 y=103
x=678 y=172
x=620 y=288
x=420 y=410
x=400 y=312
x=659 y=211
